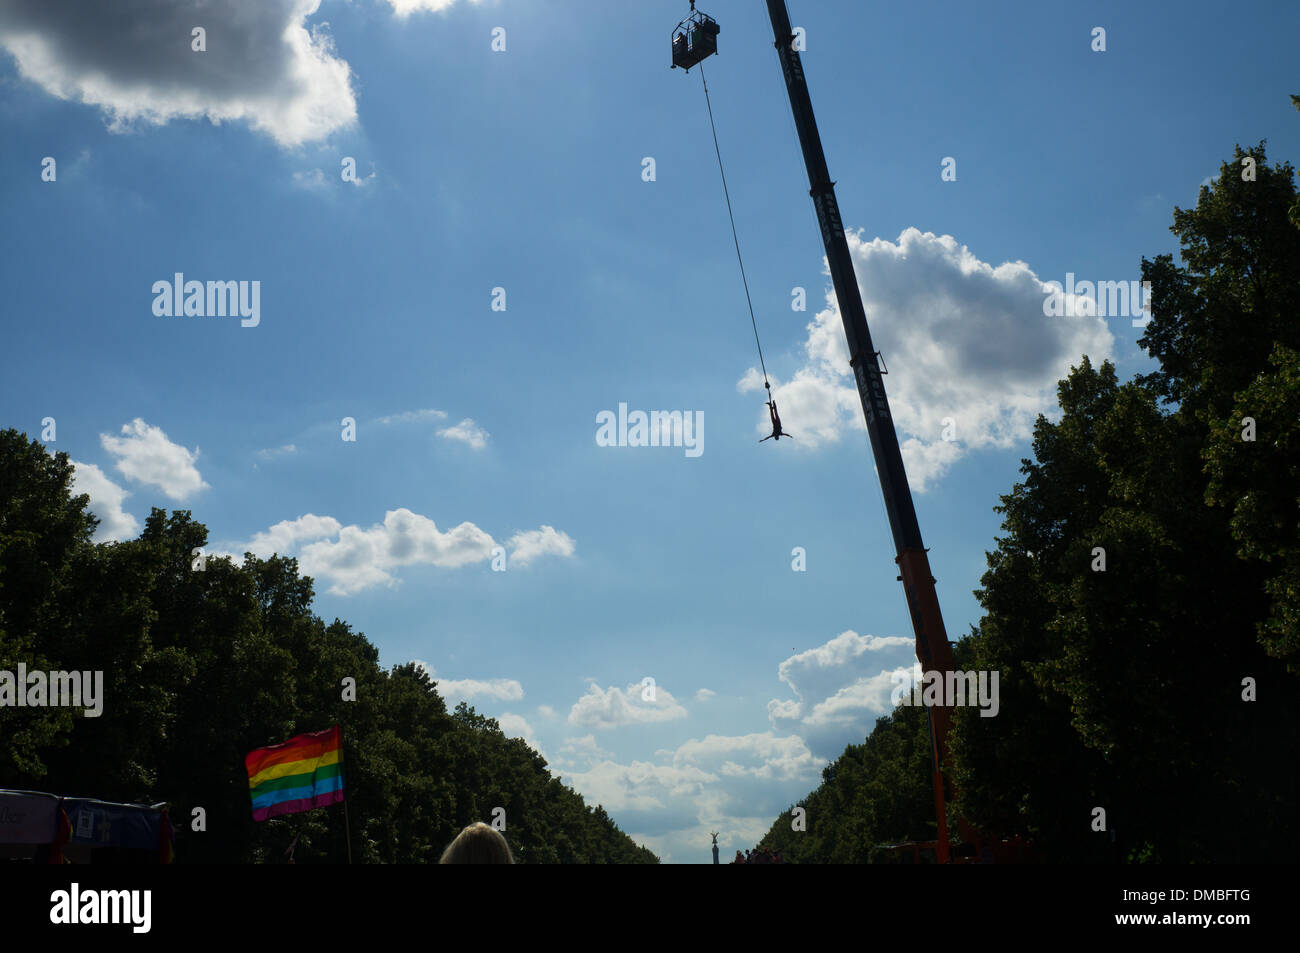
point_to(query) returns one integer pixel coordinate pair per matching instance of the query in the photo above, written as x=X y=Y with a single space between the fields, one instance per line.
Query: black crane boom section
x=932 y=648
x=862 y=354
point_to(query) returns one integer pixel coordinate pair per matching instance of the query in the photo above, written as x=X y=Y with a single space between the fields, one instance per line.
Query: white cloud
x=527 y=546
x=361 y=558
x=962 y=339
x=466 y=432
x=515 y=726
x=408 y=416
x=135 y=61
x=105 y=502
x=351 y=559
x=844 y=647
x=735 y=786
x=467 y=689
x=761 y=755
x=585 y=749
x=868 y=695
x=404 y=8
x=144 y=454
x=272 y=452
x=612 y=707
x=639 y=786
x=287 y=535
x=783 y=709
x=546 y=711
x=704 y=693
x=454 y=691
x=840 y=688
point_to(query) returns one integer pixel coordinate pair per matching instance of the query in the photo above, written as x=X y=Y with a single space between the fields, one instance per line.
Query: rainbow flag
x=303 y=773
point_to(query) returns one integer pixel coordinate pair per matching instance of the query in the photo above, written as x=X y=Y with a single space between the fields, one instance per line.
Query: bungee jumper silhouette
x=777 y=433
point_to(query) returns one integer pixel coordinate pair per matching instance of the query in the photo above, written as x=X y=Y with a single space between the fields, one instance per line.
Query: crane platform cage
x=695 y=38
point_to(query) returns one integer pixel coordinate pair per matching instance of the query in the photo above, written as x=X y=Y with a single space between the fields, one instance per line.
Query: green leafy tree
x=1146 y=581
x=1258 y=482
x=1124 y=687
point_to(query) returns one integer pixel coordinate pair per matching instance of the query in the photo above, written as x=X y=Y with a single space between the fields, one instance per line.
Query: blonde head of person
x=478 y=844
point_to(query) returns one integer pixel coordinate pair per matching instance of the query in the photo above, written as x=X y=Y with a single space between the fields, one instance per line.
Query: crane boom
x=932 y=649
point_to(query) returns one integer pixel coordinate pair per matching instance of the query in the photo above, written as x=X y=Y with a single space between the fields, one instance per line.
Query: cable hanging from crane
x=735 y=238
x=777 y=432
x=694 y=39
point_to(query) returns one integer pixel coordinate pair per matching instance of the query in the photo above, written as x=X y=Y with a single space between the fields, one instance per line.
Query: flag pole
x=347 y=827
x=347 y=824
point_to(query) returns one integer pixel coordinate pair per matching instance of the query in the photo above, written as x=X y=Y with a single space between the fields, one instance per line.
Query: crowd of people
x=759 y=855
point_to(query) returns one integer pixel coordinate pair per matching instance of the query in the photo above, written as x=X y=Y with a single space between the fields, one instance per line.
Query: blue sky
x=522 y=169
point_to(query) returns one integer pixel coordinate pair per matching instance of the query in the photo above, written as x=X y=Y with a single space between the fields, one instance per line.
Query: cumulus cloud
x=134 y=59
x=547 y=541
x=287 y=535
x=761 y=755
x=839 y=688
x=144 y=454
x=704 y=693
x=966 y=344
x=639 y=786
x=613 y=707
x=845 y=647
x=466 y=432
x=352 y=559
x=361 y=558
x=867 y=695
x=106 y=498
x=733 y=785
x=467 y=689
x=585 y=749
